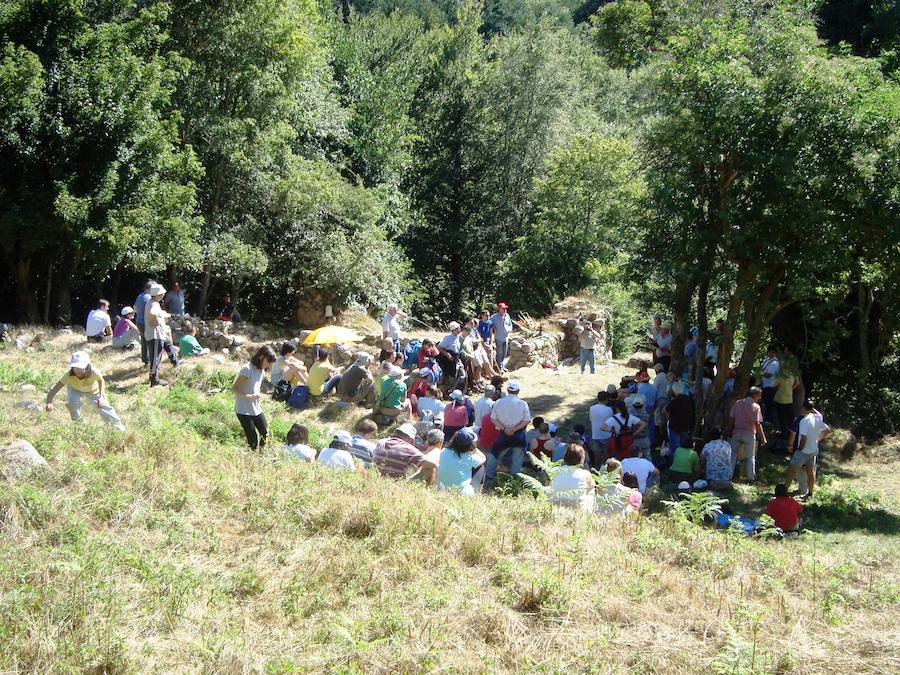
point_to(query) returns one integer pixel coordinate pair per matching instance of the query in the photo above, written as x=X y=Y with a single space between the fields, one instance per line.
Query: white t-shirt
x=97 y=323
x=615 y=422
x=770 y=370
x=391 y=325
x=640 y=467
x=572 y=487
x=509 y=412
x=299 y=451
x=159 y=330
x=432 y=405
x=250 y=385
x=663 y=344
x=483 y=406
x=812 y=427
x=599 y=413
x=661 y=382
x=336 y=459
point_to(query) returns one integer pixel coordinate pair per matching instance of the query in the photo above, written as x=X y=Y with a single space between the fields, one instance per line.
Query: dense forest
x=705 y=159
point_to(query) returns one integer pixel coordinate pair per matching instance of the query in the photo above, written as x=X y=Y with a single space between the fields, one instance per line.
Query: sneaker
x=159 y=383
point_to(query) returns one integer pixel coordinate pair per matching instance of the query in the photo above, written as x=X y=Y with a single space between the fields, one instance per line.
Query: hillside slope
x=169 y=548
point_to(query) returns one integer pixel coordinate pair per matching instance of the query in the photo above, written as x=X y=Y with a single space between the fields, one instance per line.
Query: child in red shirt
x=784 y=510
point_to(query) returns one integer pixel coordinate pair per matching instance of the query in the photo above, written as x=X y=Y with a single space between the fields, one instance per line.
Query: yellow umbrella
x=329 y=335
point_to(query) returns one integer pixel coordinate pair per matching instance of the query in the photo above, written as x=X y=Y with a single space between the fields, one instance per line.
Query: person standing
x=588 y=341
x=599 y=413
x=502 y=327
x=812 y=430
x=770 y=370
x=745 y=425
x=98 y=325
x=246 y=389
x=785 y=383
x=174 y=300
x=390 y=326
x=140 y=308
x=662 y=342
x=82 y=381
x=157 y=334
x=510 y=416
x=680 y=414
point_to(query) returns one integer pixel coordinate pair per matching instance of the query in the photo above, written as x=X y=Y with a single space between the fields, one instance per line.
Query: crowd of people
x=641 y=429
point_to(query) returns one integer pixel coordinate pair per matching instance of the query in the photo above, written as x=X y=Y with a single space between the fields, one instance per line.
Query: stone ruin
x=573 y=312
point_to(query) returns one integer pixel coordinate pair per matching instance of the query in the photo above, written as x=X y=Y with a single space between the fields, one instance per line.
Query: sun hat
x=156 y=289
x=658 y=367
x=406 y=429
x=700 y=484
x=513 y=385
x=126 y=310
x=424 y=372
x=342 y=437
x=638 y=399
x=684 y=485
x=456 y=395
x=465 y=436
x=453 y=325
x=80 y=360
x=396 y=372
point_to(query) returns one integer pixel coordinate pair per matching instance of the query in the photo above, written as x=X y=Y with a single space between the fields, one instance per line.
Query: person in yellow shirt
x=785 y=384
x=322 y=378
x=82 y=381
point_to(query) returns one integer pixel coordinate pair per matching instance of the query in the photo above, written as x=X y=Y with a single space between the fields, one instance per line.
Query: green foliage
x=696 y=507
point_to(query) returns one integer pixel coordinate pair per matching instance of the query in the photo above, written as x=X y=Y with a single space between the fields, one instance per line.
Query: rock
x=218 y=358
x=225 y=351
x=33 y=406
x=22 y=342
x=27 y=387
x=62 y=332
x=528 y=347
x=19 y=457
x=237 y=341
x=634 y=361
x=568 y=362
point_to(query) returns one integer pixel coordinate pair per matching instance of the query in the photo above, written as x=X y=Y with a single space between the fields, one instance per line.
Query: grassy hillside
x=170 y=548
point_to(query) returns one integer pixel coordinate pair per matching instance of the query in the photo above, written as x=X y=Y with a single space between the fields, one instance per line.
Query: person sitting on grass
x=543 y=445
x=419 y=388
x=434 y=445
x=246 y=390
x=392 y=401
x=126 y=334
x=188 y=345
x=715 y=457
x=296 y=445
x=784 y=510
x=322 y=378
x=685 y=465
x=337 y=454
x=456 y=414
x=288 y=367
x=461 y=466
x=356 y=385
x=82 y=381
x=363 y=444
x=397 y=457
x=574 y=485
x=98 y=326
x=431 y=405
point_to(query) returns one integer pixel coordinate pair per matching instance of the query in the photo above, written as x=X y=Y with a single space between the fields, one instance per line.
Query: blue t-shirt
x=139 y=306
x=455 y=471
x=649 y=392
x=502 y=326
x=484 y=329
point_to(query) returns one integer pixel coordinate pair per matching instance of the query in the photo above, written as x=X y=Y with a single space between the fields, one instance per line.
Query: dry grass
x=169 y=548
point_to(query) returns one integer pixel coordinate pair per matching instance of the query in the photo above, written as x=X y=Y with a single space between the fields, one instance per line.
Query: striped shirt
x=395 y=457
x=362 y=449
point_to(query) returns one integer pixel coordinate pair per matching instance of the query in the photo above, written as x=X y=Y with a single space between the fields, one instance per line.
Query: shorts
x=800 y=458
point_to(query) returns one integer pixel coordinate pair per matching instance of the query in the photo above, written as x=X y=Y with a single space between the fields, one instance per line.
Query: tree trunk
x=204 y=292
x=681 y=309
x=26 y=302
x=113 y=296
x=48 y=289
x=863 y=309
x=64 y=289
x=699 y=357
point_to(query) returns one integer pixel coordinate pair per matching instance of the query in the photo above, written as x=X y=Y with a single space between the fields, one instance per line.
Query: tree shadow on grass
x=539 y=405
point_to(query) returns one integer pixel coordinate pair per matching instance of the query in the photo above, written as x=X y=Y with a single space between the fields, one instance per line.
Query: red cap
x=502 y=305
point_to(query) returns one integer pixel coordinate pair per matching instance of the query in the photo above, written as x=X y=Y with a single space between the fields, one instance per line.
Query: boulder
x=18 y=457
x=218 y=358
x=33 y=406
x=237 y=341
x=22 y=342
x=27 y=387
x=634 y=361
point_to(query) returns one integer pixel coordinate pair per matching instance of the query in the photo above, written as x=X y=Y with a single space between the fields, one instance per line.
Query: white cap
x=80 y=360
x=406 y=429
x=658 y=367
x=700 y=484
x=513 y=385
x=156 y=289
x=342 y=437
x=453 y=325
x=396 y=372
x=552 y=428
x=456 y=394
x=126 y=310
x=684 y=485
x=638 y=399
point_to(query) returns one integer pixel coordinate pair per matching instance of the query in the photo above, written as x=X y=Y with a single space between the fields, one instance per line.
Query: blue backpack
x=411 y=353
x=299 y=398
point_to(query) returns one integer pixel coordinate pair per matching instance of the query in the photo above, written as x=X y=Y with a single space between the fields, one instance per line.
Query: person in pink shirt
x=745 y=426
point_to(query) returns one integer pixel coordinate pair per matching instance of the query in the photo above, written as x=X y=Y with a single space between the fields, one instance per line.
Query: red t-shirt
x=785 y=511
x=489 y=433
x=455 y=415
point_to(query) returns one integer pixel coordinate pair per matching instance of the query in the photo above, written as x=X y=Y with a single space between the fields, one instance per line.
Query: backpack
x=282 y=391
x=411 y=354
x=621 y=441
x=299 y=398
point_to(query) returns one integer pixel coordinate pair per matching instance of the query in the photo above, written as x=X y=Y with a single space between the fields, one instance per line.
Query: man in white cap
x=510 y=416
x=392 y=400
x=337 y=454
x=357 y=384
x=390 y=326
x=140 y=308
x=398 y=457
x=98 y=326
x=157 y=334
x=82 y=381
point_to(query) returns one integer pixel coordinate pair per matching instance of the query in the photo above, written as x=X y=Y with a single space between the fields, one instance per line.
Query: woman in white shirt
x=246 y=397
x=574 y=485
x=296 y=444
